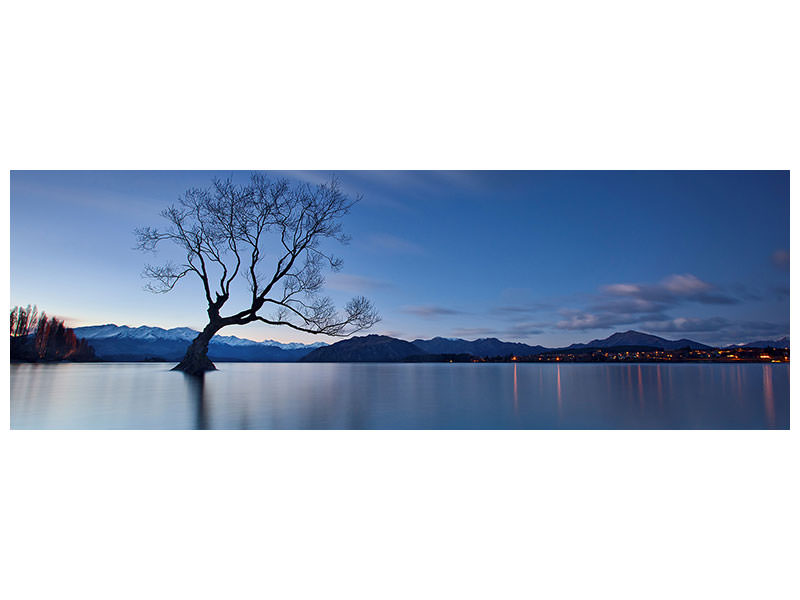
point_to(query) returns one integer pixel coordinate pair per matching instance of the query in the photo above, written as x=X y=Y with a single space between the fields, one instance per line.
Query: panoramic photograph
x=399 y=300
x=423 y=301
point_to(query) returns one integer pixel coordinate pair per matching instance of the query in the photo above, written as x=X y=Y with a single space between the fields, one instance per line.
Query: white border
x=399 y=514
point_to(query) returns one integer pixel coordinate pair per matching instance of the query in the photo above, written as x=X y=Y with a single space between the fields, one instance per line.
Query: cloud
x=672 y=290
x=745 y=292
x=628 y=306
x=712 y=330
x=750 y=331
x=622 y=289
x=519 y=302
x=580 y=321
x=393 y=244
x=97 y=198
x=352 y=183
x=422 y=183
x=648 y=307
x=684 y=324
x=780 y=258
x=355 y=284
x=685 y=285
x=517 y=330
x=716 y=330
x=525 y=329
x=429 y=311
x=515 y=310
x=765 y=327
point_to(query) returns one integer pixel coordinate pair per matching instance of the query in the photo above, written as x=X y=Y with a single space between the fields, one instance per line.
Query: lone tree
x=229 y=231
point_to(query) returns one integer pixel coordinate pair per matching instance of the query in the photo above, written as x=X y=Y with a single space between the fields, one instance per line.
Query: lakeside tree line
x=36 y=337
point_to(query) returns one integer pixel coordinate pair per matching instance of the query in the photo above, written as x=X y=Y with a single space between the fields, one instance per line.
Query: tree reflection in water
x=196 y=390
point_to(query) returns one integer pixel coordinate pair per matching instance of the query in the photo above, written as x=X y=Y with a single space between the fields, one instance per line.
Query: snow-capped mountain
x=294 y=345
x=120 y=342
x=186 y=334
x=136 y=333
x=779 y=343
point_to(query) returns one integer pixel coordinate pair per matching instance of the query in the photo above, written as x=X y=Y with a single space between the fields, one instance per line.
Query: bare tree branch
x=228 y=230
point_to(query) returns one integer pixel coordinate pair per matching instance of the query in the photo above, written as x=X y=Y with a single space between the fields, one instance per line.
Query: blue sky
x=541 y=257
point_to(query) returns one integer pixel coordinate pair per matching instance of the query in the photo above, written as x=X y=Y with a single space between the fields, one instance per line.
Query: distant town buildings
x=758 y=355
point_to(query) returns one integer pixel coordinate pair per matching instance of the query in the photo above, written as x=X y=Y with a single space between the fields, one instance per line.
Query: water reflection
x=516 y=391
x=558 y=389
x=769 y=398
x=739 y=388
x=659 y=388
x=195 y=393
x=629 y=387
x=641 y=387
x=401 y=396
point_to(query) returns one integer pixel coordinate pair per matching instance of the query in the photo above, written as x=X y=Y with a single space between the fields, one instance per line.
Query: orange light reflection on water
x=769 y=396
x=659 y=388
x=516 y=391
x=630 y=382
x=641 y=387
x=558 y=388
x=739 y=389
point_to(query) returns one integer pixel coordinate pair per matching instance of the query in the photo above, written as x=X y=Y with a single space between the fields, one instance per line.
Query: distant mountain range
x=637 y=338
x=780 y=343
x=481 y=347
x=123 y=343
x=381 y=348
x=368 y=348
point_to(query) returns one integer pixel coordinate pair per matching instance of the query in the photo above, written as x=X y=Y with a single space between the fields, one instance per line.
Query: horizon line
x=365 y=334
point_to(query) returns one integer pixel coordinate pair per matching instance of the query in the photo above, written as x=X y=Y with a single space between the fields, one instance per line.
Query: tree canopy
x=268 y=233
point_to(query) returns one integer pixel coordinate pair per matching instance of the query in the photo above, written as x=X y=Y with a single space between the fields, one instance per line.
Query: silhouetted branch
x=230 y=230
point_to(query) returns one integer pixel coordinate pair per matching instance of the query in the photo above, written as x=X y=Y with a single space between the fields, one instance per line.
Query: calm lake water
x=401 y=396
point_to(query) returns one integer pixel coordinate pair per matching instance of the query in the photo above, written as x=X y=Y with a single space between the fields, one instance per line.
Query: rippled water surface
x=401 y=396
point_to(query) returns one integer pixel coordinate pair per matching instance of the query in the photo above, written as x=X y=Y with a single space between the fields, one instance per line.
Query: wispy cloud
x=646 y=306
x=627 y=306
x=735 y=332
x=429 y=311
x=715 y=329
x=578 y=320
x=687 y=325
x=92 y=199
x=523 y=330
x=352 y=183
x=518 y=310
x=671 y=290
x=746 y=292
x=422 y=183
x=355 y=284
x=393 y=244
x=764 y=328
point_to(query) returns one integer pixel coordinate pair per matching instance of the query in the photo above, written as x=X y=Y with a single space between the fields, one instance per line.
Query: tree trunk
x=196 y=361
